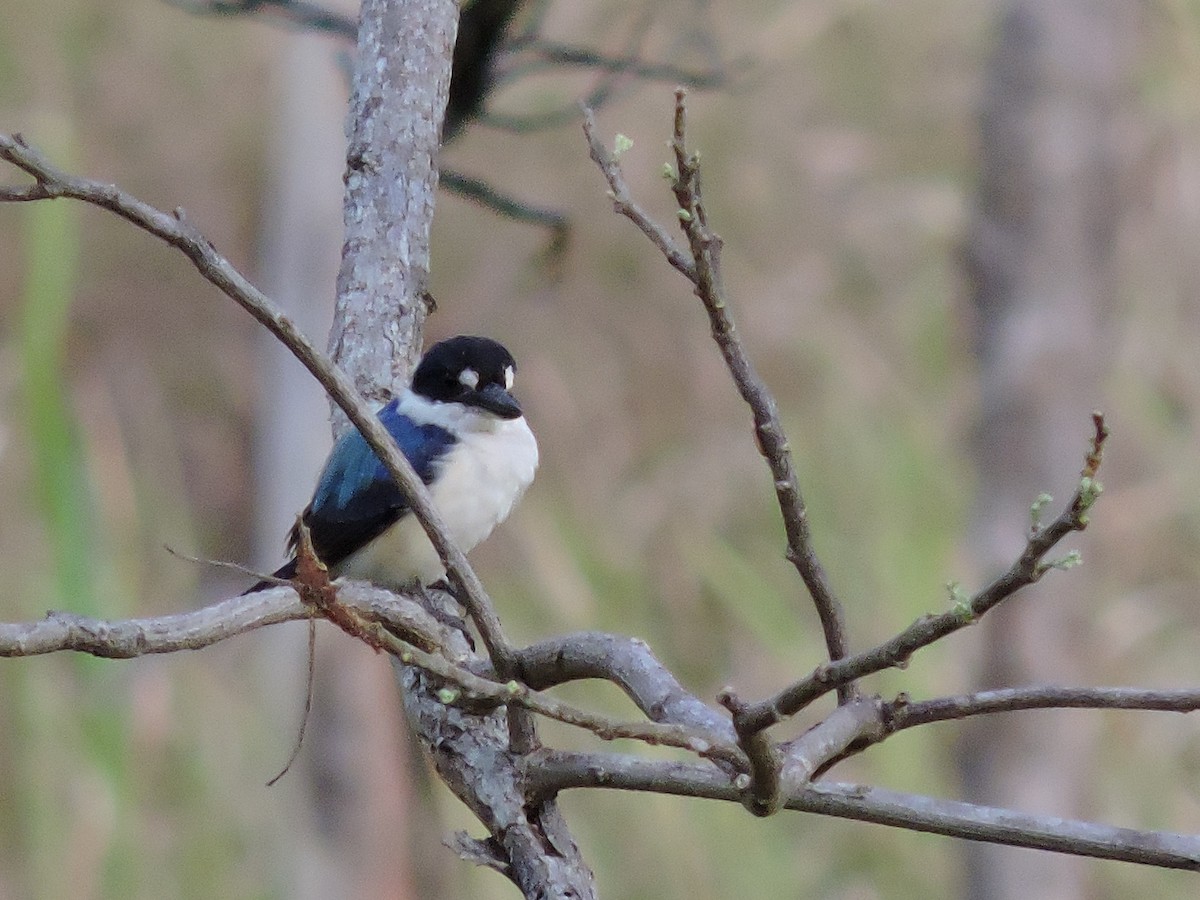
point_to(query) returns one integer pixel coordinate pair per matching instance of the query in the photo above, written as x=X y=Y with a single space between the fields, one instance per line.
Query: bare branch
x=903 y=713
x=548 y=53
x=623 y=203
x=553 y=771
x=474 y=756
x=396 y=115
x=483 y=193
x=630 y=664
x=201 y=628
x=772 y=441
x=1028 y=568
x=703 y=269
x=385 y=621
x=398 y=96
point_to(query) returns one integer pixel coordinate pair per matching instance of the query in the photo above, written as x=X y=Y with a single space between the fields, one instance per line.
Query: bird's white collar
x=456 y=418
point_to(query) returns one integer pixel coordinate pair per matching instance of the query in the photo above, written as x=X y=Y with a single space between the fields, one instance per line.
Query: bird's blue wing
x=356 y=499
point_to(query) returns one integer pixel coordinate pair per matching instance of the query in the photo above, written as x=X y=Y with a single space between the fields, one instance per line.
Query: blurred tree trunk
x=350 y=780
x=1040 y=255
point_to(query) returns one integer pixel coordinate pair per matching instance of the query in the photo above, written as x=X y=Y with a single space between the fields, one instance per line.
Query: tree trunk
x=1041 y=257
x=398 y=101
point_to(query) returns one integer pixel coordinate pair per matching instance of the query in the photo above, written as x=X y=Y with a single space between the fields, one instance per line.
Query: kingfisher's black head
x=474 y=371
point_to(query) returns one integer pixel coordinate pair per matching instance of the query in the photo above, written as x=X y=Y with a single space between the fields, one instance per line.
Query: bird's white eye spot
x=509 y=374
x=469 y=378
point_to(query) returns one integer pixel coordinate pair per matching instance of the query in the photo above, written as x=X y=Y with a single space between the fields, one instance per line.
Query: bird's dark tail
x=287 y=572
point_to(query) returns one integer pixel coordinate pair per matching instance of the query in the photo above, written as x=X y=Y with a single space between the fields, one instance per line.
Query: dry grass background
x=839 y=169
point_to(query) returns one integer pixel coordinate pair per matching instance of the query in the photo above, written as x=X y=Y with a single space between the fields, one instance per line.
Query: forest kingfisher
x=464 y=433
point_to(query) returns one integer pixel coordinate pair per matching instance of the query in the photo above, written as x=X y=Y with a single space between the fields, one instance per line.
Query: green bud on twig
x=1089 y=490
x=961 y=600
x=1035 y=510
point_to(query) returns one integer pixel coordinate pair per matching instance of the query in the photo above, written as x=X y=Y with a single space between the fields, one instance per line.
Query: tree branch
x=1028 y=568
x=298 y=13
x=397 y=111
x=624 y=204
x=702 y=266
x=858 y=723
x=552 y=771
x=903 y=713
x=628 y=663
x=549 y=53
x=128 y=638
x=549 y=771
x=484 y=194
x=397 y=103
x=409 y=633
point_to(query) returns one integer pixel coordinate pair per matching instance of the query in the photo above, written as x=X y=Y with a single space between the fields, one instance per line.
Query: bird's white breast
x=476 y=486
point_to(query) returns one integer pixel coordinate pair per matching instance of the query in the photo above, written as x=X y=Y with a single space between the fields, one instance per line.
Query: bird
x=464 y=433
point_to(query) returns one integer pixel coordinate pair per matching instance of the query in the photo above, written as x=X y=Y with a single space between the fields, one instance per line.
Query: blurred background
x=951 y=229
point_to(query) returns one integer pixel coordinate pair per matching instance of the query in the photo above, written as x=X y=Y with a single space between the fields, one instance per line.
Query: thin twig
x=506 y=205
x=175 y=230
x=226 y=565
x=555 y=54
x=1028 y=568
x=624 y=204
x=702 y=266
x=904 y=713
x=772 y=441
x=306 y=713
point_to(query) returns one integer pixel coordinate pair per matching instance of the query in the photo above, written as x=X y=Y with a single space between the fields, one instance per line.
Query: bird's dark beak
x=496 y=399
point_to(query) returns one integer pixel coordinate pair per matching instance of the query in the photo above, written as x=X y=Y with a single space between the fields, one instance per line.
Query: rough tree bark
x=398 y=101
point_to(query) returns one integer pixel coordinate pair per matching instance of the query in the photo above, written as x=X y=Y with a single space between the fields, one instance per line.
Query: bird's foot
x=437 y=600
